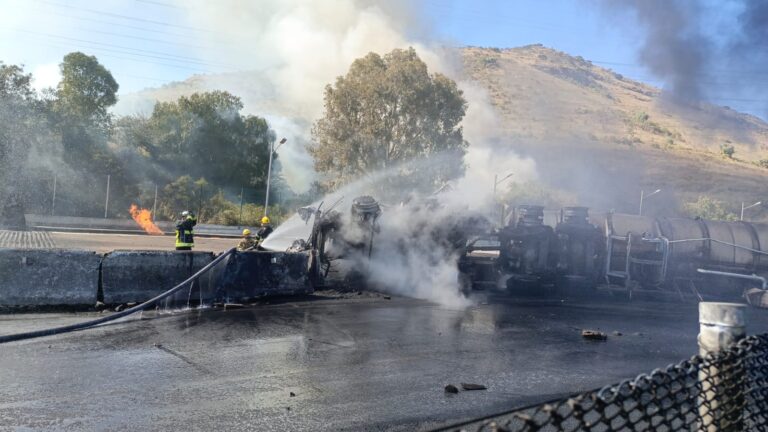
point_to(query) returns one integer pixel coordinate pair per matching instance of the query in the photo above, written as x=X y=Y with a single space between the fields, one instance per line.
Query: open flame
x=143 y=217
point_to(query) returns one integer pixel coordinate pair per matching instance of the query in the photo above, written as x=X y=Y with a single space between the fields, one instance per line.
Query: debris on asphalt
x=450 y=388
x=293 y=394
x=233 y=306
x=594 y=335
x=469 y=386
x=388 y=297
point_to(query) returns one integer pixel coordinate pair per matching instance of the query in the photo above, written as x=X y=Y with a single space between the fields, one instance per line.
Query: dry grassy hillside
x=605 y=136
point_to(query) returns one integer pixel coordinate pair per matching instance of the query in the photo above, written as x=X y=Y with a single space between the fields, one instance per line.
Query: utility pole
x=154 y=204
x=106 y=203
x=269 y=172
x=53 y=199
x=240 y=218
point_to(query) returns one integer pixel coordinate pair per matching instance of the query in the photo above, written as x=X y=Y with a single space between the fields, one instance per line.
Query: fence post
x=721 y=402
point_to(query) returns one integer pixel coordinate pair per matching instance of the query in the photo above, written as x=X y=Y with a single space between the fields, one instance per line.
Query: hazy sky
x=146 y=43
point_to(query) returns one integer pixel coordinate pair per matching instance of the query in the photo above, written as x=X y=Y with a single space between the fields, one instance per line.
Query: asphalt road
x=360 y=363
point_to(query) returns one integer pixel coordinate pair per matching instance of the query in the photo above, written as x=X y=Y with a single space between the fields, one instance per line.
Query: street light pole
x=642 y=198
x=496 y=182
x=106 y=202
x=747 y=208
x=269 y=172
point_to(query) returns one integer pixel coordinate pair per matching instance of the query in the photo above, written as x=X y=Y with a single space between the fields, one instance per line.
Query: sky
x=148 y=43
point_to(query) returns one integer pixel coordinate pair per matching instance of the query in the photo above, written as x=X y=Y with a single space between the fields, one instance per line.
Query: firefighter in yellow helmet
x=248 y=242
x=185 y=238
x=265 y=231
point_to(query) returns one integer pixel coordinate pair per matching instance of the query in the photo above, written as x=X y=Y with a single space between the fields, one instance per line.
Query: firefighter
x=265 y=231
x=248 y=242
x=185 y=238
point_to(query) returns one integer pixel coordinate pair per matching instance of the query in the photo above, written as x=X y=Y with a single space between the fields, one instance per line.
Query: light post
x=747 y=207
x=496 y=182
x=272 y=150
x=106 y=202
x=643 y=196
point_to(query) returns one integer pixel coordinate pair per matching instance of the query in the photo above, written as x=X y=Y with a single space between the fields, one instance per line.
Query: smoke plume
x=696 y=47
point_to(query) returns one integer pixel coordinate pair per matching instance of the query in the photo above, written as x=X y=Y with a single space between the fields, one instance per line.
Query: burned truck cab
x=580 y=249
x=527 y=250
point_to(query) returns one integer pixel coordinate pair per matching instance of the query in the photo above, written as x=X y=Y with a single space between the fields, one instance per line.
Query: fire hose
x=138 y=308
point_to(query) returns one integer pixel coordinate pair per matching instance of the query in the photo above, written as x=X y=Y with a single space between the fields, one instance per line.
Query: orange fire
x=143 y=217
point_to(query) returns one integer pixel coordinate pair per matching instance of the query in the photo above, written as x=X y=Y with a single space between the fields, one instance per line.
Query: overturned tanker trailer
x=687 y=256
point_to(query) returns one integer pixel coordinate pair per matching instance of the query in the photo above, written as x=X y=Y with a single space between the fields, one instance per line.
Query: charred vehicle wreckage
x=540 y=251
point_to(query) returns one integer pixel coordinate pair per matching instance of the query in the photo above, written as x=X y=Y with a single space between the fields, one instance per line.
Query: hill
x=606 y=136
x=596 y=134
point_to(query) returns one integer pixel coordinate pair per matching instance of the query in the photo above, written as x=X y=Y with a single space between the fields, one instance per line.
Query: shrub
x=708 y=208
x=728 y=150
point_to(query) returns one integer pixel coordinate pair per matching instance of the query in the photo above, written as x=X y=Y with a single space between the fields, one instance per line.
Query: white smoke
x=296 y=48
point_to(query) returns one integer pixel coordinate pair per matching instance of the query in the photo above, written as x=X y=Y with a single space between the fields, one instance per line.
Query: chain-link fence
x=725 y=391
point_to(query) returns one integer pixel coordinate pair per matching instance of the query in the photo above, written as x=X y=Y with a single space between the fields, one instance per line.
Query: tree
x=203 y=135
x=708 y=208
x=20 y=115
x=386 y=111
x=87 y=89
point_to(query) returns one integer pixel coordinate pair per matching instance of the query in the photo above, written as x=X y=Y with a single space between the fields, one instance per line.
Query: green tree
x=20 y=117
x=708 y=208
x=203 y=135
x=86 y=90
x=386 y=111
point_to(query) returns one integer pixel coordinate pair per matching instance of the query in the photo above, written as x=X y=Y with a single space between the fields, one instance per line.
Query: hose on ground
x=138 y=308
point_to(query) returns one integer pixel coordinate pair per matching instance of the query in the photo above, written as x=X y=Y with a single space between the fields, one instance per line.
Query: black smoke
x=708 y=51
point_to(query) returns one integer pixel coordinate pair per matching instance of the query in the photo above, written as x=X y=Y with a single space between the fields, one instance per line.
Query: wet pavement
x=360 y=363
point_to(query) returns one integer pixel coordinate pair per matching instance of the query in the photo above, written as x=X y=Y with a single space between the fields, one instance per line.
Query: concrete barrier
x=37 y=277
x=137 y=276
x=249 y=275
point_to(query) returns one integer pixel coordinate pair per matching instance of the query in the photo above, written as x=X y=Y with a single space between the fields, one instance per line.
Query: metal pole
x=106 y=203
x=154 y=204
x=741 y=218
x=240 y=218
x=269 y=175
x=722 y=398
x=200 y=203
x=642 y=194
x=495 y=182
x=53 y=199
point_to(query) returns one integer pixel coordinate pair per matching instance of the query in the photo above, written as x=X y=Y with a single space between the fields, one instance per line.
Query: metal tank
x=735 y=245
x=527 y=248
x=580 y=246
